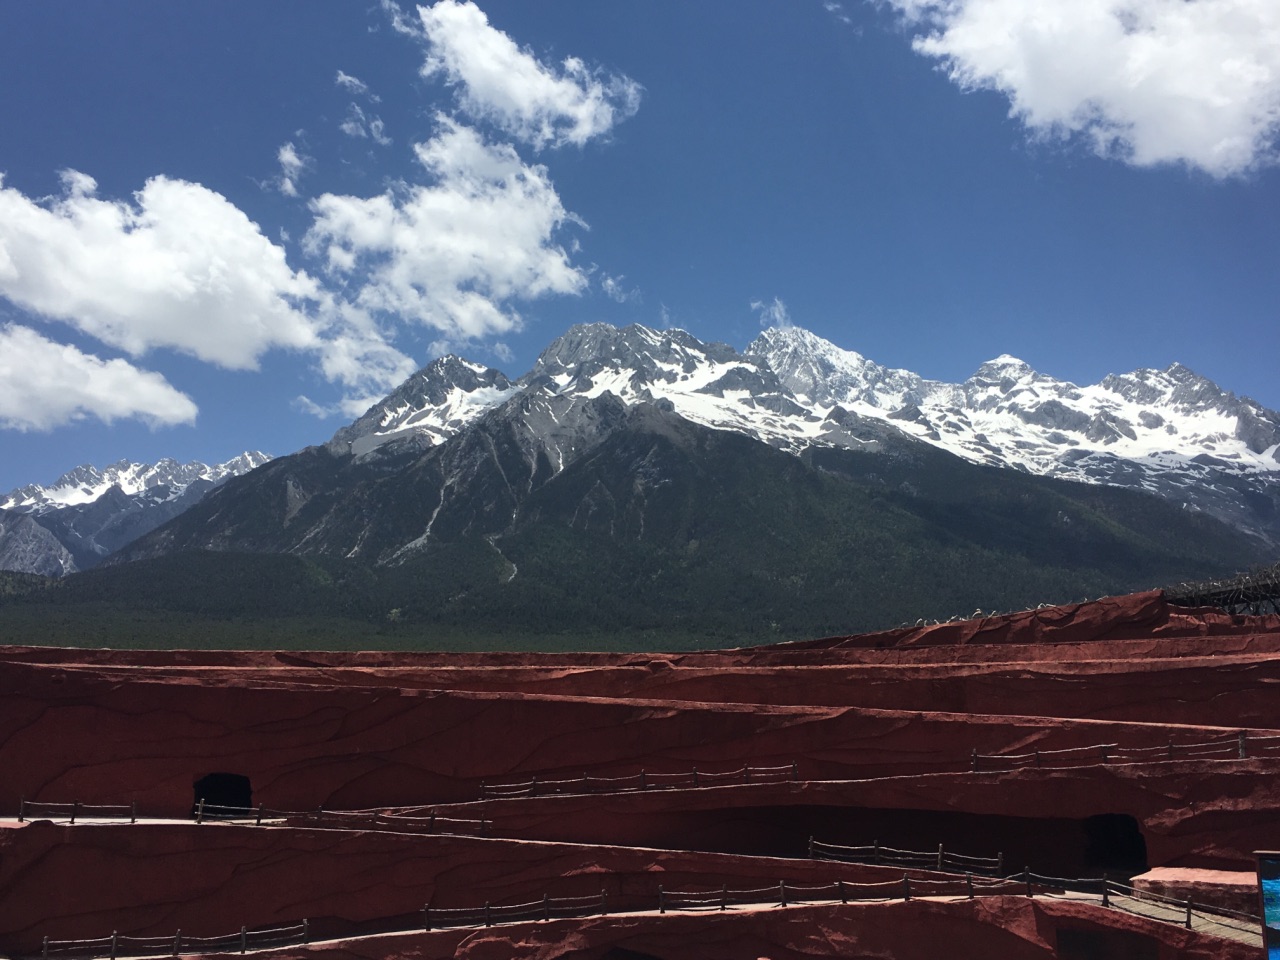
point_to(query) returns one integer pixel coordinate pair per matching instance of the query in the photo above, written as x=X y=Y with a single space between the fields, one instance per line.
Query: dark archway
x=1114 y=843
x=222 y=790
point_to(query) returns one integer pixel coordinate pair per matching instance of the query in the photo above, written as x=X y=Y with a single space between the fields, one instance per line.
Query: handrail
x=781 y=894
x=642 y=781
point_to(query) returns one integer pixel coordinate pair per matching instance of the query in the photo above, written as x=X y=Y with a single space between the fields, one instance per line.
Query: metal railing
x=686 y=780
x=119 y=945
x=967 y=885
x=939 y=860
x=1237 y=746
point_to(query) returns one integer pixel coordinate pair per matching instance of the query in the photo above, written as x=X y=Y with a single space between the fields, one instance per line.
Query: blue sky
x=229 y=226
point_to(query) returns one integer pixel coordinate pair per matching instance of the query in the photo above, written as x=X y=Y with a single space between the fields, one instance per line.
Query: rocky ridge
x=90 y=512
x=1168 y=432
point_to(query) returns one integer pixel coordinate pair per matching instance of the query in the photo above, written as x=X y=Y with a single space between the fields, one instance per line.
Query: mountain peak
x=430 y=406
x=1002 y=367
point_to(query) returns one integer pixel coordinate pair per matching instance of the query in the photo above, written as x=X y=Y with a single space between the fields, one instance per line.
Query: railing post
x=259 y=821
x=1026 y=878
x=724 y=897
x=810 y=846
x=968 y=882
x=746 y=773
x=604 y=902
x=644 y=781
x=306 y=930
x=244 y=938
x=431 y=821
x=22 y=808
x=844 y=896
x=546 y=908
x=533 y=786
x=906 y=887
x=1188 y=913
x=484 y=790
x=1244 y=745
x=133 y=812
x=695 y=776
x=1037 y=752
x=876 y=850
x=782 y=892
x=1106 y=892
x=973 y=760
x=426 y=918
x=939 y=857
x=115 y=942
x=662 y=900
x=999 y=863
x=200 y=811
x=795 y=771
x=177 y=941
x=488 y=918
x=44 y=950
x=75 y=806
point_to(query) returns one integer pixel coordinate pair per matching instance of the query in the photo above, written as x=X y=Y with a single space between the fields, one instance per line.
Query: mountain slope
x=642 y=480
x=635 y=518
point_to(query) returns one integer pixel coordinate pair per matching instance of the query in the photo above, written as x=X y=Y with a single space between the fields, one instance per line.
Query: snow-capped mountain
x=90 y=512
x=643 y=476
x=428 y=408
x=165 y=480
x=1168 y=432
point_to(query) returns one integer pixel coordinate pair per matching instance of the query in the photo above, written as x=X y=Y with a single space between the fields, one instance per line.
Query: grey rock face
x=27 y=547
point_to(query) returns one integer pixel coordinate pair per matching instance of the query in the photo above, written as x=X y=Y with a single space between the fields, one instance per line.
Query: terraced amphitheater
x=1088 y=781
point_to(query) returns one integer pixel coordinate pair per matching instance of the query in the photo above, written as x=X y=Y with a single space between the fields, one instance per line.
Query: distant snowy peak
x=1008 y=414
x=431 y=406
x=164 y=480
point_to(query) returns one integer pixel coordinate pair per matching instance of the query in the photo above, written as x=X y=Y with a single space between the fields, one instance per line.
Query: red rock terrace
x=1081 y=781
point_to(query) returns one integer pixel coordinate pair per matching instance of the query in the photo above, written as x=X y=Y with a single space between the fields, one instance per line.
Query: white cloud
x=1145 y=81
x=453 y=255
x=180 y=267
x=292 y=164
x=357 y=353
x=497 y=81
x=837 y=10
x=45 y=385
x=354 y=85
x=773 y=313
x=615 y=290
x=360 y=125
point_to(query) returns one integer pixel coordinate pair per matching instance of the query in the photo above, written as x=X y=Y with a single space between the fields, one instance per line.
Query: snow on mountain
x=1007 y=414
x=1169 y=432
x=88 y=513
x=164 y=480
x=707 y=383
x=430 y=407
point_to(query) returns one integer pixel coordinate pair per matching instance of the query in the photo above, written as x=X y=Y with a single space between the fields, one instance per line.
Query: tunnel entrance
x=1114 y=844
x=219 y=791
